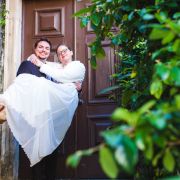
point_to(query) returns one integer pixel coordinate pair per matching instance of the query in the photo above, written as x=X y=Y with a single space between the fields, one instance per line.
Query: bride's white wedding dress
x=39 y=112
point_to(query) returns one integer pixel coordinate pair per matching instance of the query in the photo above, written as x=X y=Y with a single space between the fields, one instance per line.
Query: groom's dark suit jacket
x=29 y=68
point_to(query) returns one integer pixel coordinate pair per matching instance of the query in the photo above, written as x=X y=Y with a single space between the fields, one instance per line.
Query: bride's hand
x=32 y=57
x=35 y=60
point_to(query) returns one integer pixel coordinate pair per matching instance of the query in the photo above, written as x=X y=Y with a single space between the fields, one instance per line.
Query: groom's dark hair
x=42 y=39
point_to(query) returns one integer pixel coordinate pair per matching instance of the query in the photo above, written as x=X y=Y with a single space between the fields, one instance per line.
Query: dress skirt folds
x=39 y=113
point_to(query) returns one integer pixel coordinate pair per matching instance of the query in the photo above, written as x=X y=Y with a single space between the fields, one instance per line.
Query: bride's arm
x=73 y=72
x=32 y=57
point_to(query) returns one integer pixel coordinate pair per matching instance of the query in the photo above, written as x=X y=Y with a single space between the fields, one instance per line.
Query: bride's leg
x=2 y=114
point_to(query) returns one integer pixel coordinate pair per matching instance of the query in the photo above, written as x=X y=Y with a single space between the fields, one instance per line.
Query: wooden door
x=53 y=19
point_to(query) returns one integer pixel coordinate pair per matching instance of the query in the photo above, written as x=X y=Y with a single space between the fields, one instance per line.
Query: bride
x=38 y=111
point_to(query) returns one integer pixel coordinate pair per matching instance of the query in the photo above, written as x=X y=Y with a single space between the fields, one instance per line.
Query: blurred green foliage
x=146 y=37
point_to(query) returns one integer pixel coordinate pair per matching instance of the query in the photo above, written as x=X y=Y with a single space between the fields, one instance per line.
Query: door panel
x=50 y=19
x=99 y=107
x=53 y=19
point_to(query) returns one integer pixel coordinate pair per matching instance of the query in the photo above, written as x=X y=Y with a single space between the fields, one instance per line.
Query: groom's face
x=42 y=50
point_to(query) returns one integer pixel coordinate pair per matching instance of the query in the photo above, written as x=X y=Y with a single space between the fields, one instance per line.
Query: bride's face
x=64 y=54
x=42 y=50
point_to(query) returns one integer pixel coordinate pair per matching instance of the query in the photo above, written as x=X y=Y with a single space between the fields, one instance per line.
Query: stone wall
x=1 y=67
x=8 y=146
x=1 y=48
x=10 y=58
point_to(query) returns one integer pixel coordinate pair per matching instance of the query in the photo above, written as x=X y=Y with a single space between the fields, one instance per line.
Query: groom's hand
x=78 y=86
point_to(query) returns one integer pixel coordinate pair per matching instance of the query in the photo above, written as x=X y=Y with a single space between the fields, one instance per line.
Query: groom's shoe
x=2 y=114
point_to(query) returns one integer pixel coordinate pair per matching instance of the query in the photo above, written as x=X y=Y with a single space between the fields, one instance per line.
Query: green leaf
x=156 y=88
x=93 y=62
x=100 y=54
x=126 y=154
x=162 y=71
x=108 y=20
x=126 y=96
x=162 y=16
x=176 y=46
x=173 y=91
x=156 y=159
x=174 y=76
x=119 y=39
x=176 y=15
x=157 y=53
x=94 y=27
x=177 y=101
x=106 y=90
x=96 y=18
x=158 y=34
x=112 y=137
x=146 y=107
x=84 y=21
x=148 y=17
x=160 y=122
x=149 y=151
x=140 y=140
x=131 y=16
x=133 y=73
x=108 y=163
x=123 y=114
x=168 y=161
x=93 y=46
x=142 y=12
x=170 y=36
x=127 y=7
x=159 y=119
x=83 y=11
x=74 y=159
x=160 y=141
x=175 y=27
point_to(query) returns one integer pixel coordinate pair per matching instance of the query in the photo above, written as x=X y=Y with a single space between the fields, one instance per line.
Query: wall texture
x=10 y=58
x=1 y=48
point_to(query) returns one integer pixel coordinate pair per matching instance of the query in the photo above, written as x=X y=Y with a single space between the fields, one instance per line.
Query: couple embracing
x=39 y=105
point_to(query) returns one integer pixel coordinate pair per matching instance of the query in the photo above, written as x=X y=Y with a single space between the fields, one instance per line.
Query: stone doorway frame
x=9 y=162
x=12 y=57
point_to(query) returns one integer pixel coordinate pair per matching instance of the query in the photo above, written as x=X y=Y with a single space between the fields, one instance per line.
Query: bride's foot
x=2 y=114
